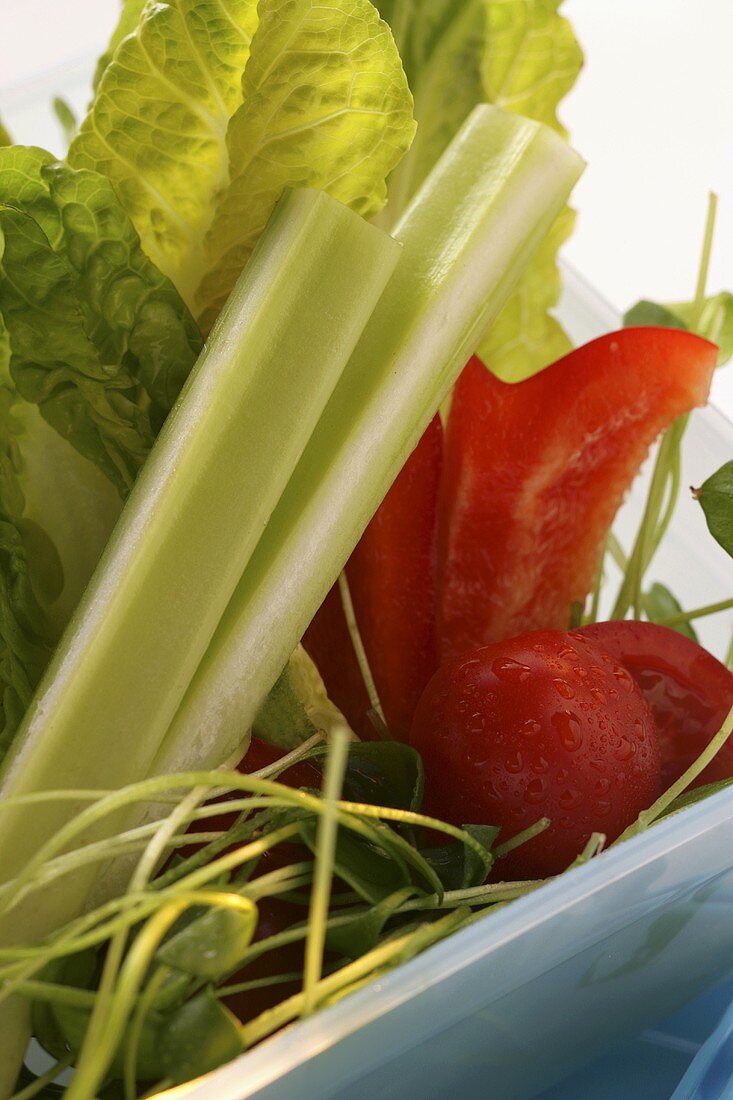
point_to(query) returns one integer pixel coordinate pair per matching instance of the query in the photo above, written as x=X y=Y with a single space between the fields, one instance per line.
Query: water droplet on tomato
x=530 y=728
x=563 y=688
x=568 y=798
x=510 y=671
x=625 y=750
x=539 y=765
x=602 y=786
x=624 y=678
x=476 y=724
x=569 y=729
x=514 y=763
x=534 y=792
x=603 y=807
x=598 y=695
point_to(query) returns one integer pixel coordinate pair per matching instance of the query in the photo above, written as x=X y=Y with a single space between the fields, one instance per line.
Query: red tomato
x=545 y=725
x=534 y=473
x=689 y=692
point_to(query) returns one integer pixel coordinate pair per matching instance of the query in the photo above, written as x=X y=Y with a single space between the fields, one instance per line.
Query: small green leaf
x=213 y=944
x=697 y=794
x=716 y=499
x=385 y=773
x=659 y=604
x=199 y=1036
x=715 y=324
x=458 y=866
x=362 y=932
x=651 y=314
x=370 y=870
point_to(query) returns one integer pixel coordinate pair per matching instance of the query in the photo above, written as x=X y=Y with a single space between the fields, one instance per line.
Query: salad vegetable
x=392 y=577
x=360 y=205
x=195 y=515
x=546 y=723
x=541 y=489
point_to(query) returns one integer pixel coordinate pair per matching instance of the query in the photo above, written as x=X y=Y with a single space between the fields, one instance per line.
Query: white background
x=652 y=114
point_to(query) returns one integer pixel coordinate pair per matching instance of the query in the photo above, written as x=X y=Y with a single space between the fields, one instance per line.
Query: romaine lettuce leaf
x=325 y=105
x=200 y=139
x=158 y=122
x=522 y=56
x=441 y=43
x=94 y=347
x=531 y=61
x=100 y=341
x=129 y=18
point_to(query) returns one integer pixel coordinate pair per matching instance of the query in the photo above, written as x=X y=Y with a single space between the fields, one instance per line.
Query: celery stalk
x=467 y=236
x=192 y=521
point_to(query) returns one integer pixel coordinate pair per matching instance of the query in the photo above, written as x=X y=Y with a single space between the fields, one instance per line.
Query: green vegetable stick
x=467 y=236
x=192 y=521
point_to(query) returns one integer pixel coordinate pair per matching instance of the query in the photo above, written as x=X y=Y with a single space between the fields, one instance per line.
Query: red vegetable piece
x=392 y=579
x=688 y=690
x=546 y=725
x=535 y=472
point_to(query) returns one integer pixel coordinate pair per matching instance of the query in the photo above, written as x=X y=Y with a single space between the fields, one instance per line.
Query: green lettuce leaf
x=532 y=59
x=158 y=122
x=5 y=138
x=94 y=347
x=522 y=56
x=326 y=105
x=100 y=341
x=129 y=18
x=66 y=118
x=715 y=322
x=205 y=114
x=441 y=43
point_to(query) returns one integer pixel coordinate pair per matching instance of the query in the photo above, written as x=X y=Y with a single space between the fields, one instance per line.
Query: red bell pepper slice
x=534 y=473
x=392 y=579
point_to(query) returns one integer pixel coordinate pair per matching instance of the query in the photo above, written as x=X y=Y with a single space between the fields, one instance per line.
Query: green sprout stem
x=323 y=875
x=649 y=816
x=358 y=644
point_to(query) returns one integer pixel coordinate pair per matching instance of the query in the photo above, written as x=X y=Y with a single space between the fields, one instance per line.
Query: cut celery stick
x=467 y=236
x=192 y=521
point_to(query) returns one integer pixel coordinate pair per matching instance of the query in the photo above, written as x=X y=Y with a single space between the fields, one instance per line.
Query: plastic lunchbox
x=517 y=1002
x=515 y=1005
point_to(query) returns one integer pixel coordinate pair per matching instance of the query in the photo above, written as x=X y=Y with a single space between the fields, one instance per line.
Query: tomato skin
x=688 y=690
x=534 y=473
x=546 y=724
